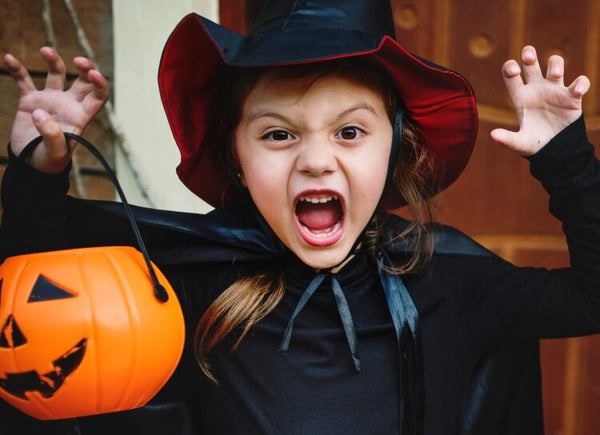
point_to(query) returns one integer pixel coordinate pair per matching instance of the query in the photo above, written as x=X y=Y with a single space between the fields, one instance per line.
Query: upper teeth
x=319 y=200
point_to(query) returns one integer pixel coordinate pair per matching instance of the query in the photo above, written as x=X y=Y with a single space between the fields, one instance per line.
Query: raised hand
x=54 y=109
x=544 y=105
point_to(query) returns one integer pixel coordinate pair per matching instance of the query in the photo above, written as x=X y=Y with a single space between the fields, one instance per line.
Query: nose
x=316 y=156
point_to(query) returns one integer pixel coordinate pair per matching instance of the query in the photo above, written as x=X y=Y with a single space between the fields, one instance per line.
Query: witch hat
x=439 y=101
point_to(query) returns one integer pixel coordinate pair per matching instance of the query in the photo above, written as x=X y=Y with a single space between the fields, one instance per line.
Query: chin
x=326 y=259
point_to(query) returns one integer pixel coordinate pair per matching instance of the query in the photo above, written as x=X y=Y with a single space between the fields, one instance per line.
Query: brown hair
x=249 y=299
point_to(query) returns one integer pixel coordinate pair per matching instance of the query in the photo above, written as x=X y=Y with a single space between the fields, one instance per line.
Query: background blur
x=495 y=200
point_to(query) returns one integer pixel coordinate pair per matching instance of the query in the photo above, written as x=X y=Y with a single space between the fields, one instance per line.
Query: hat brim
x=439 y=101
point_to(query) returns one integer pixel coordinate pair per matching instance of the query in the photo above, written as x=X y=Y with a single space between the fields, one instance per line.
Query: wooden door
x=496 y=200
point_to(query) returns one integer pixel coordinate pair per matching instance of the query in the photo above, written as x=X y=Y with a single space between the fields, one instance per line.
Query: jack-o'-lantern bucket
x=86 y=331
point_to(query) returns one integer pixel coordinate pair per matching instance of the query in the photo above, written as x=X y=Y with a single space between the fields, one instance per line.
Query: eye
x=277 y=135
x=44 y=290
x=349 y=133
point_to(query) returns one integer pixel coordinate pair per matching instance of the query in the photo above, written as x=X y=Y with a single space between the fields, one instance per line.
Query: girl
x=326 y=313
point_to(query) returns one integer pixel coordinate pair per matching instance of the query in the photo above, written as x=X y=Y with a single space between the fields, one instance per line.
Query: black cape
x=239 y=234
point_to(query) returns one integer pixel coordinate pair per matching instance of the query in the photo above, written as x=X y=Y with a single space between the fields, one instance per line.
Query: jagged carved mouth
x=47 y=384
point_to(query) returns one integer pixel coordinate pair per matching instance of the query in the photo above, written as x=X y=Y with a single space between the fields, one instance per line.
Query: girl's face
x=314 y=160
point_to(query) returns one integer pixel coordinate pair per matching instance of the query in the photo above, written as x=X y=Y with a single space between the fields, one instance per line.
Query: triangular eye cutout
x=11 y=335
x=44 y=290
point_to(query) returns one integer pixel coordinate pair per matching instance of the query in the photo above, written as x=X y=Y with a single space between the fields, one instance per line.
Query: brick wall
x=22 y=33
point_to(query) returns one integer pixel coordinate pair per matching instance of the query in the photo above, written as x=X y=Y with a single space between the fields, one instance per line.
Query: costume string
x=308 y=292
x=343 y=310
x=405 y=318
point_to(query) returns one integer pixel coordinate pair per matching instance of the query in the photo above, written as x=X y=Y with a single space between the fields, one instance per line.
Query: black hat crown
x=296 y=31
x=366 y=16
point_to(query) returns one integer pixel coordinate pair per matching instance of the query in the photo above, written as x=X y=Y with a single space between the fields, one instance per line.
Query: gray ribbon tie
x=343 y=310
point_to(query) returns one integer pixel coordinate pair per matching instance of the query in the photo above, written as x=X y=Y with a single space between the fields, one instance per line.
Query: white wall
x=141 y=28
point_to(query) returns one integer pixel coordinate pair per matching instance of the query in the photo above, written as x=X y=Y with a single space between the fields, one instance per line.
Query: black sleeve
x=507 y=301
x=570 y=173
x=34 y=209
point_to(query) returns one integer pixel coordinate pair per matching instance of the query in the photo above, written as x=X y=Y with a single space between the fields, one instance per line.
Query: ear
x=241 y=178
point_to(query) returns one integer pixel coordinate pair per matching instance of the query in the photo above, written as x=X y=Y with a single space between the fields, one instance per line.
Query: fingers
x=504 y=137
x=57 y=71
x=580 y=86
x=511 y=72
x=20 y=74
x=48 y=128
x=556 y=70
x=101 y=90
x=512 y=141
x=82 y=86
x=531 y=65
x=532 y=70
x=90 y=81
x=53 y=154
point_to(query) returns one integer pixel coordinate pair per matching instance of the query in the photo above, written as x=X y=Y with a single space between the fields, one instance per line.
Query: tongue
x=318 y=216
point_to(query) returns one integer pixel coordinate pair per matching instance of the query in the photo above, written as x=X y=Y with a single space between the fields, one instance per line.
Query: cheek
x=369 y=195
x=267 y=186
x=264 y=174
x=261 y=177
x=369 y=174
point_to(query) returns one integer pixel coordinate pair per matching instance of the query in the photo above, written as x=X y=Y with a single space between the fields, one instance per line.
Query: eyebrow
x=268 y=114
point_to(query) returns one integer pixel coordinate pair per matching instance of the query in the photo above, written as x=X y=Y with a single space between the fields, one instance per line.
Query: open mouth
x=320 y=218
x=47 y=383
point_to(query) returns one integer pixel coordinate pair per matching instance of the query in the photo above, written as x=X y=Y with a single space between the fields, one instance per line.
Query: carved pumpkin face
x=82 y=333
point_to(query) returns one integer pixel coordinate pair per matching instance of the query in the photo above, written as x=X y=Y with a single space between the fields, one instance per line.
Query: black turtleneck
x=313 y=387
